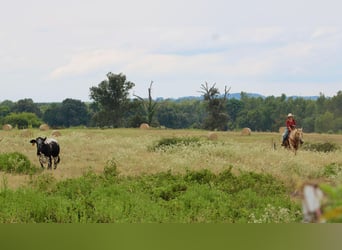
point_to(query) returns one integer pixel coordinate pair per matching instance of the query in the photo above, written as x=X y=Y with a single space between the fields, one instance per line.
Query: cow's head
x=40 y=143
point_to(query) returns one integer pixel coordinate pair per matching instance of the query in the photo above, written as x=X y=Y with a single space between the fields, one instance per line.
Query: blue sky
x=53 y=50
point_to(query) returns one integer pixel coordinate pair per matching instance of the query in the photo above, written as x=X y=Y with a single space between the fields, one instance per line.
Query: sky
x=52 y=50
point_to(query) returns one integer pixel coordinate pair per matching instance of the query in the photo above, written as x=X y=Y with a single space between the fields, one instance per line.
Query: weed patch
x=332 y=170
x=166 y=143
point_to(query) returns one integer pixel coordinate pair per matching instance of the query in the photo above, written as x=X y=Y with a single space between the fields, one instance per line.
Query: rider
x=290 y=125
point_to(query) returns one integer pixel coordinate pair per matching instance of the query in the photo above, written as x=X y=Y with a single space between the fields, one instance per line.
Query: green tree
x=308 y=124
x=254 y=114
x=112 y=98
x=324 y=123
x=335 y=105
x=70 y=112
x=26 y=105
x=23 y=120
x=136 y=114
x=182 y=114
x=271 y=110
x=321 y=104
x=216 y=106
x=5 y=109
x=338 y=124
x=74 y=113
x=53 y=115
x=234 y=107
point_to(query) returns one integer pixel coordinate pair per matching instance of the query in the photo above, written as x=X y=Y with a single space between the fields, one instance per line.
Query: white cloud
x=324 y=31
x=181 y=43
x=87 y=61
x=258 y=52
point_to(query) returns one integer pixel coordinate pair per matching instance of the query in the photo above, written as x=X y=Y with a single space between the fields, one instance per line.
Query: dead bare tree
x=149 y=105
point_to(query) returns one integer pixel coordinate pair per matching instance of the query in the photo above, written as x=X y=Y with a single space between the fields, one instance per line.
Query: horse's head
x=299 y=135
x=295 y=139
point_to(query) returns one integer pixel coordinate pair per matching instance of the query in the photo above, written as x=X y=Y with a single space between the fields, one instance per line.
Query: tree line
x=113 y=107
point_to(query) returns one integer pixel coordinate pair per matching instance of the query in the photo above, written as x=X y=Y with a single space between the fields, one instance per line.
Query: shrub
x=321 y=147
x=16 y=163
x=23 y=120
x=202 y=176
x=110 y=171
x=171 y=191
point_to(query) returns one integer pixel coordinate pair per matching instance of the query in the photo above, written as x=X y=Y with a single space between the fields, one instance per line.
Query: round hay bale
x=144 y=126
x=56 y=133
x=7 y=127
x=44 y=127
x=212 y=136
x=26 y=133
x=246 y=131
x=282 y=130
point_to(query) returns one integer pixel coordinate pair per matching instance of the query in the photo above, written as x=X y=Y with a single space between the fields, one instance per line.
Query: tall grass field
x=162 y=176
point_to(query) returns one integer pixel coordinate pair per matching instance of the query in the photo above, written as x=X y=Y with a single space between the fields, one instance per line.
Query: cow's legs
x=50 y=162
x=41 y=161
x=56 y=160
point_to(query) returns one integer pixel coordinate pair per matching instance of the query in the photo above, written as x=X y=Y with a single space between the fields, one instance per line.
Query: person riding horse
x=290 y=125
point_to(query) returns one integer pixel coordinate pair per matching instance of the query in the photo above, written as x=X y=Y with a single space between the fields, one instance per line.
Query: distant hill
x=234 y=96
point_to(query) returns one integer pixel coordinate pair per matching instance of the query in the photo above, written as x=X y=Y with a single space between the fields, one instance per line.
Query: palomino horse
x=294 y=139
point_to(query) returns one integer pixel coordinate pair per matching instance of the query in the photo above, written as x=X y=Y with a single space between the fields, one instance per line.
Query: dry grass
x=82 y=149
x=26 y=133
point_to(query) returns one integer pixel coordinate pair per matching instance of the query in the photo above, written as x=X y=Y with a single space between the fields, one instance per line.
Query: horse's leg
x=287 y=143
x=291 y=146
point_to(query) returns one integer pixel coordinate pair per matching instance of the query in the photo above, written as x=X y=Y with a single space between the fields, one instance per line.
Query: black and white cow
x=47 y=149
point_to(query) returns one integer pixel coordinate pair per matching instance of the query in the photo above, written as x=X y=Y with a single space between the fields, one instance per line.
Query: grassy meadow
x=234 y=178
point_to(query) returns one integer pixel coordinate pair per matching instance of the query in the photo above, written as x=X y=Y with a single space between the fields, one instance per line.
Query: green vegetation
x=163 y=175
x=111 y=99
x=196 y=196
x=69 y=113
x=170 y=142
x=22 y=120
x=332 y=170
x=321 y=147
x=16 y=163
x=333 y=208
x=216 y=106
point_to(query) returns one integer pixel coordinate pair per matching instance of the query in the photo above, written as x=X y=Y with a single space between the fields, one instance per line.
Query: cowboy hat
x=290 y=115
